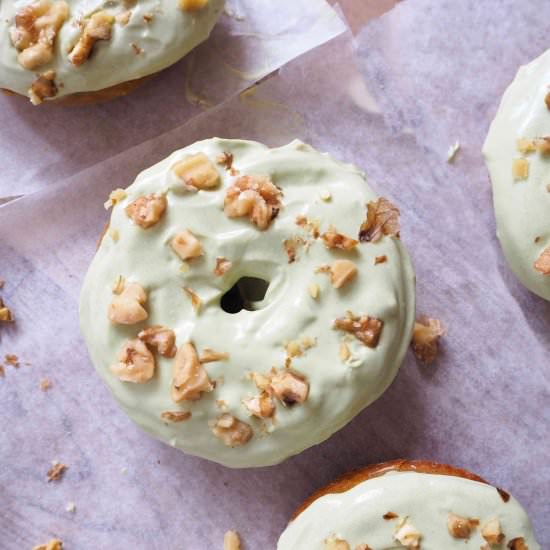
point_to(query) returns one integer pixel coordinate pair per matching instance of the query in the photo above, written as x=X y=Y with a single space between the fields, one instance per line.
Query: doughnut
x=517 y=153
x=245 y=302
x=76 y=52
x=419 y=505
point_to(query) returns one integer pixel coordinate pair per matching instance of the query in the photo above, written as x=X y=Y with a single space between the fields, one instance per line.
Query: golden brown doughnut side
x=353 y=478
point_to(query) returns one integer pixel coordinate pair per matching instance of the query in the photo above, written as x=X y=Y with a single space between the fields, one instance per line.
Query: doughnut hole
x=247 y=293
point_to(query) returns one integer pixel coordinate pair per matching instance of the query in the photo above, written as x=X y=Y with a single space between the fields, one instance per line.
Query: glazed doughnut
x=419 y=505
x=80 y=52
x=517 y=153
x=245 y=302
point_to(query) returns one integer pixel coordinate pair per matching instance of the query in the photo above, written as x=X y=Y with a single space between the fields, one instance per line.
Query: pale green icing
x=522 y=207
x=426 y=499
x=164 y=40
x=253 y=339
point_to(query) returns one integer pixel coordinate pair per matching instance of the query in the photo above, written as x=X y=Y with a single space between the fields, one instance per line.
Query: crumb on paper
x=425 y=338
x=231 y=541
x=12 y=360
x=2 y=283
x=53 y=544
x=71 y=507
x=452 y=152
x=6 y=315
x=45 y=385
x=57 y=471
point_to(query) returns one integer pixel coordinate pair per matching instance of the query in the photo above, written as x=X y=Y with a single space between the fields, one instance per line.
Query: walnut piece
x=288 y=387
x=186 y=245
x=54 y=544
x=135 y=363
x=6 y=315
x=542 y=264
x=407 y=534
x=225 y=160
x=333 y=239
x=366 y=329
x=43 y=87
x=192 y=5
x=35 y=30
x=196 y=302
x=189 y=378
x=127 y=307
x=253 y=196
x=210 y=356
x=517 y=544
x=547 y=100
x=56 y=472
x=196 y=172
x=291 y=247
x=98 y=27
x=261 y=405
x=231 y=541
x=459 y=527
x=526 y=146
x=231 y=431
x=115 y=196
x=341 y=272
x=382 y=219
x=176 y=416
x=425 y=338
x=146 y=210
x=390 y=515
x=123 y=18
x=223 y=265
x=520 y=169
x=161 y=338
x=335 y=543
x=492 y=532
x=380 y=259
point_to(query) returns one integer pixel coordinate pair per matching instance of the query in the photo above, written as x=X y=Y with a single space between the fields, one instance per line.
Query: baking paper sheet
x=391 y=100
x=41 y=146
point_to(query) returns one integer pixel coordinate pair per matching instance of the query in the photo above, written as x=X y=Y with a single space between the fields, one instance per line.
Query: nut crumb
x=366 y=329
x=137 y=49
x=223 y=265
x=123 y=18
x=335 y=543
x=543 y=145
x=261 y=405
x=186 y=245
x=2 y=283
x=71 y=507
x=135 y=363
x=161 y=338
x=196 y=172
x=407 y=534
x=45 y=385
x=98 y=27
x=492 y=532
x=314 y=290
x=54 y=544
x=382 y=219
x=333 y=239
x=344 y=352
x=425 y=338
x=12 y=359
x=196 y=302
x=189 y=378
x=231 y=541
x=519 y=542
x=341 y=272
x=43 y=87
x=6 y=315
x=325 y=195
x=313 y=227
x=547 y=100
x=542 y=263
x=57 y=471
x=146 y=210
x=2 y=371
x=526 y=145
x=114 y=234
x=210 y=356
x=452 y=152
x=147 y=17
x=127 y=307
x=192 y=5
x=115 y=196
x=231 y=431
x=380 y=259
x=176 y=416
x=291 y=247
x=289 y=387
x=520 y=169
x=225 y=160
x=459 y=527
x=390 y=515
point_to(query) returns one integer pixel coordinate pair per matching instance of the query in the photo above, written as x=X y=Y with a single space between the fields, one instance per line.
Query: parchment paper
x=42 y=145
x=392 y=101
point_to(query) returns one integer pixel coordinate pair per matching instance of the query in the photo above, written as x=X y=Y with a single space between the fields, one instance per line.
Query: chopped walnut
x=231 y=431
x=56 y=471
x=333 y=239
x=196 y=302
x=382 y=219
x=547 y=100
x=127 y=307
x=253 y=196
x=526 y=146
x=390 y=515
x=425 y=338
x=291 y=247
x=459 y=527
x=161 y=338
x=542 y=264
x=341 y=272
x=520 y=169
x=314 y=290
x=43 y=87
x=517 y=544
x=231 y=541
x=98 y=27
x=225 y=160
x=543 y=145
x=261 y=405
x=189 y=378
x=366 y=329
x=407 y=534
x=11 y=359
x=115 y=196
x=210 y=356
x=6 y=315
x=45 y=384
x=186 y=245
x=293 y=349
x=35 y=30
x=138 y=50
x=197 y=172
x=344 y=352
x=223 y=265
x=54 y=544
x=192 y=5
x=146 y=210
x=335 y=543
x=148 y=17
x=123 y=18
x=135 y=363
x=492 y=532
x=261 y=381
x=289 y=387
x=176 y=416
x=380 y=259
x=310 y=226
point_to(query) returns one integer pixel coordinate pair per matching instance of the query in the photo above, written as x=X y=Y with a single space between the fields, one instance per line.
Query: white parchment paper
x=41 y=146
x=391 y=100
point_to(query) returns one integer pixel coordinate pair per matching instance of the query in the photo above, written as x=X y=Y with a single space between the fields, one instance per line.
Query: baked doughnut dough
x=418 y=505
x=259 y=374
x=51 y=49
x=517 y=153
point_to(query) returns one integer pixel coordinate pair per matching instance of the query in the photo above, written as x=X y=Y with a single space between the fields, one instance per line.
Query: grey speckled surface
x=435 y=71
